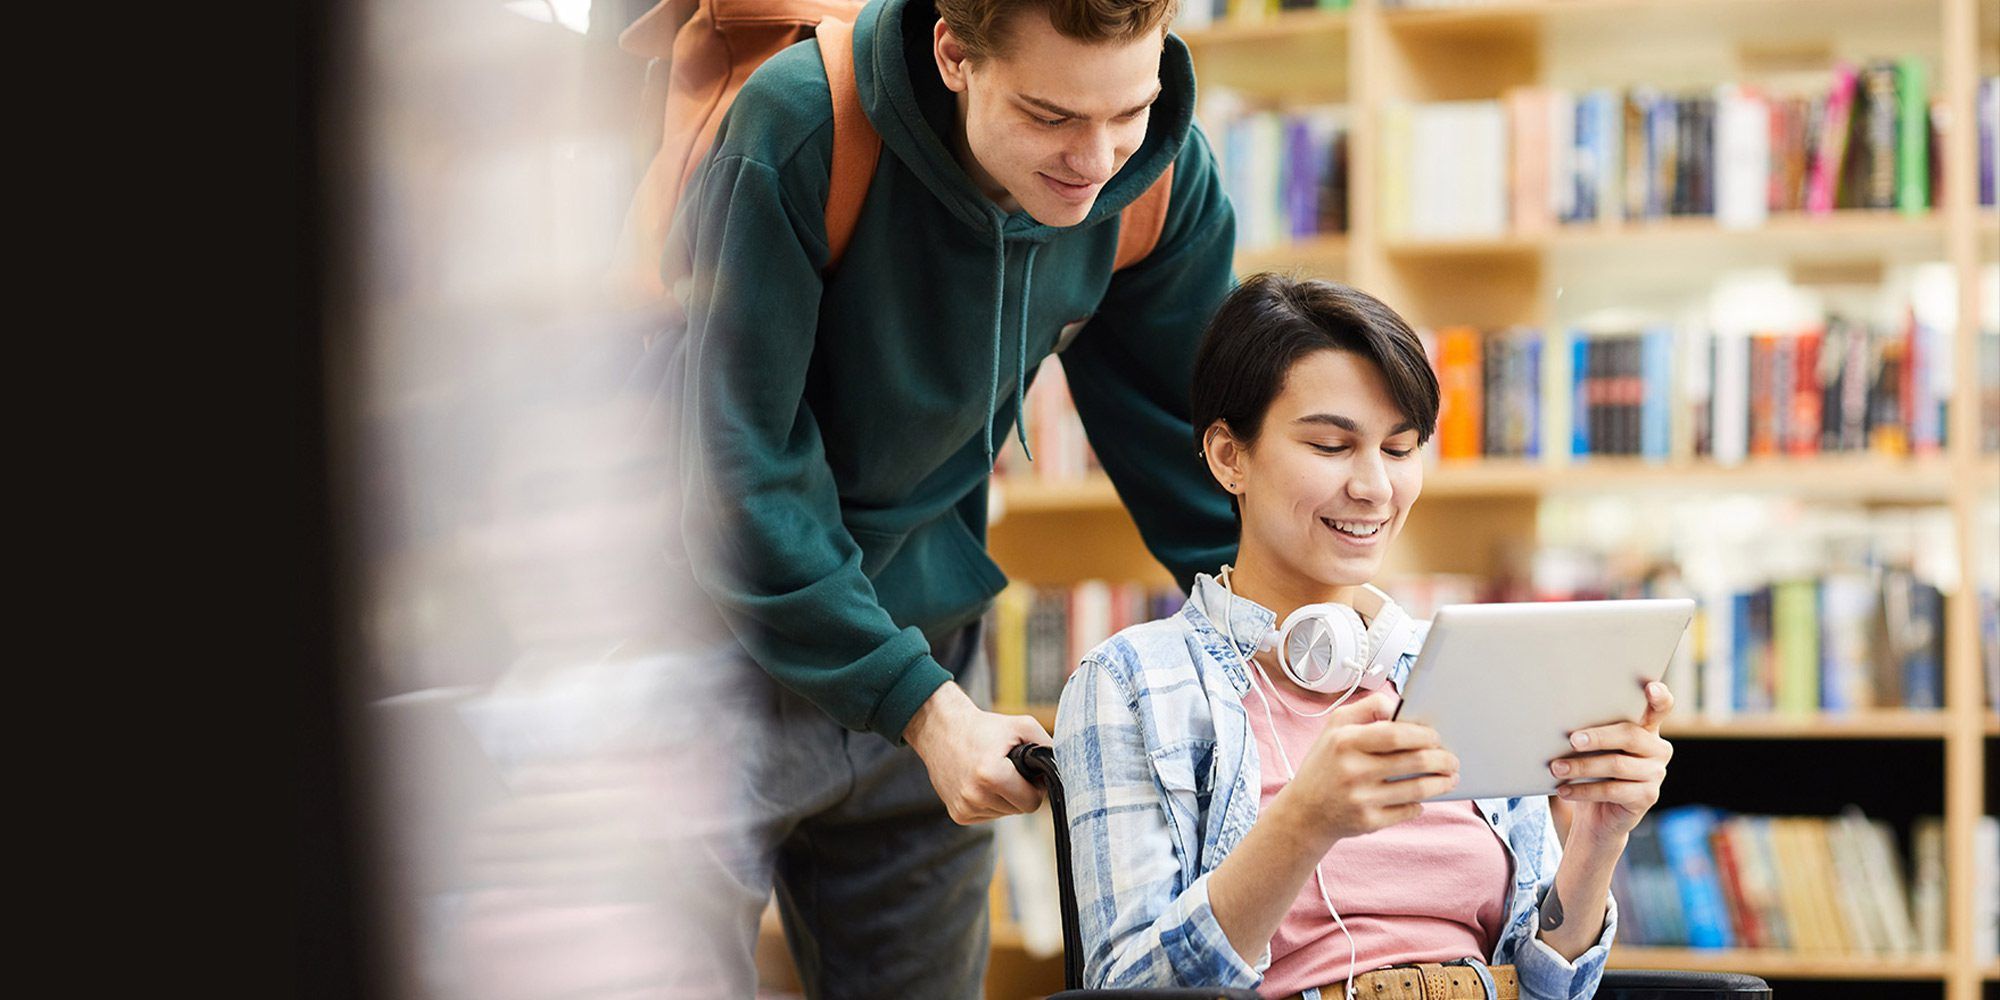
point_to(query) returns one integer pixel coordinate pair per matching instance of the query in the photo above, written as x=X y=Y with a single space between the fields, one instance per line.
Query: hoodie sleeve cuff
x=919 y=681
x=1545 y=975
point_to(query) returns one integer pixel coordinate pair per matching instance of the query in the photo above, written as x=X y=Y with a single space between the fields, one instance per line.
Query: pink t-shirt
x=1433 y=889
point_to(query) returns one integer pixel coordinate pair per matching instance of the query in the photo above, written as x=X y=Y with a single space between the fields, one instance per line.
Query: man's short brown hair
x=981 y=25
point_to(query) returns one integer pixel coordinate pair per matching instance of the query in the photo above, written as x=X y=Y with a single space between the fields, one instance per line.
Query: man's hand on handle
x=965 y=751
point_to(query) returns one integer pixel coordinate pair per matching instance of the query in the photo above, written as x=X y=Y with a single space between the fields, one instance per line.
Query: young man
x=836 y=433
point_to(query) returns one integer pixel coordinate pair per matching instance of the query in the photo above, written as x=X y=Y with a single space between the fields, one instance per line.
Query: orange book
x=1461 y=411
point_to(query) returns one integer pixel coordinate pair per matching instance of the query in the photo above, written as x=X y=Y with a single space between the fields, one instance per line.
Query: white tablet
x=1505 y=684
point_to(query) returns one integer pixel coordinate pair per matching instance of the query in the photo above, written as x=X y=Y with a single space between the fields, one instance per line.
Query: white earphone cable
x=1291 y=773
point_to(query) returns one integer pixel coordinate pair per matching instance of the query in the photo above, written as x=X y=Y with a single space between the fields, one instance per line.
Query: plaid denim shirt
x=1161 y=773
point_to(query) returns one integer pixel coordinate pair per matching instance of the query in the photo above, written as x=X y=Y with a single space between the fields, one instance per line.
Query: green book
x=1913 y=136
x=1795 y=633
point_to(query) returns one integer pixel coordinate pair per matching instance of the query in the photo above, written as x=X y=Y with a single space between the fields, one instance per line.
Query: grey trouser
x=882 y=894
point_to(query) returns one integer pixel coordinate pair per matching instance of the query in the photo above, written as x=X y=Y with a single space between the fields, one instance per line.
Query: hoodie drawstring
x=1021 y=362
x=999 y=309
x=1020 y=347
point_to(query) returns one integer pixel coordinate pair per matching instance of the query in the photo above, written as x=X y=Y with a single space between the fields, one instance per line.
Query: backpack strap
x=856 y=146
x=1140 y=224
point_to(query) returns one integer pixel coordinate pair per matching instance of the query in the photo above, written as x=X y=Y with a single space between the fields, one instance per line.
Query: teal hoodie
x=837 y=432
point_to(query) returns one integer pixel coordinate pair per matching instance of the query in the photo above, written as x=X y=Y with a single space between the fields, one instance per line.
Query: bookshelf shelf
x=1858 y=478
x=1030 y=496
x=1843 y=477
x=1783 y=964
x=1878 y=230
x=1513 y=16
x=1269 y=27
x=1883 y=724
x=1320 y=255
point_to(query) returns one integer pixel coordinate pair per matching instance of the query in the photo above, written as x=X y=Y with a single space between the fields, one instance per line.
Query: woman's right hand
x=1343 y=785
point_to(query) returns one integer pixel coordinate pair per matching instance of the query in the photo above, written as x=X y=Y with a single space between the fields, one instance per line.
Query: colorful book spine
x=1831 y=153
x=1912 y=137
x=1684 y=839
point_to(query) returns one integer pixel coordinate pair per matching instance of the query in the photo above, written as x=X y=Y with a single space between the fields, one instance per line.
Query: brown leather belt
x=1425 y=981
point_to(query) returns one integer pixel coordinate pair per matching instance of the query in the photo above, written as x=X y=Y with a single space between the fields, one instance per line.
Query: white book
x=1927 y=884
x=1742 y=158
x=1610 y=160
x=1885 y=876
x=1487 y=122
x=1562 y=154
x=1431 y=158
x=1847 y=607
x=1729 y=420
x=1851 y=888
x=1718 y=662
x=1694 y=345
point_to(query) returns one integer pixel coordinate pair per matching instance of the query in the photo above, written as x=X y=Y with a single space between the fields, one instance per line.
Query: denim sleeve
x=1143 y=922
x=1544 y=974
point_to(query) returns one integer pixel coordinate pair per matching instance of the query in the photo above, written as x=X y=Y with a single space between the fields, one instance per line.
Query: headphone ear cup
x=1319 y=645
x=1388 y=636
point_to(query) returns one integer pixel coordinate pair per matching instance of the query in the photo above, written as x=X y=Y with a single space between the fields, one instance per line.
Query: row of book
x=1202 y=13
x=1538 y=157
x=1737 y=153
x=1036 y=636
x=1838 y=386
x=1802 y=606
x=1849 y=639
x=1285 y=170
x=1693 y=876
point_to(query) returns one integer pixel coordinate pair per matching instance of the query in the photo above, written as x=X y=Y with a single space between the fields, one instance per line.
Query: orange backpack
x=703 y=51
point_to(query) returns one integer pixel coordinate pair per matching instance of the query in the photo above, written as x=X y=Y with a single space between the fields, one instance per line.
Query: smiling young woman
x=1236 y=821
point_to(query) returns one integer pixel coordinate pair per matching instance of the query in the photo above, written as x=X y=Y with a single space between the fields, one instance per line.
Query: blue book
x=1923 y=666
x=1741 y=647
x=1579 y=407
x=1684 y=839
x=1583 y=166
x=1655 y=411
x=1301 y=179
x=1531 y=363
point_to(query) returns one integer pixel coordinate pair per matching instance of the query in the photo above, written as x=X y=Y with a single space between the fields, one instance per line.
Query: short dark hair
x=1270 y=322
x=981 y=25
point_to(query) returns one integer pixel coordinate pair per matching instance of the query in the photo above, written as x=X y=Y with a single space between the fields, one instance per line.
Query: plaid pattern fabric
x=1162 y=776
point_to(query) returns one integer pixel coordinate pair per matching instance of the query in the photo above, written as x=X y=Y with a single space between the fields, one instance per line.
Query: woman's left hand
x=1631 y=757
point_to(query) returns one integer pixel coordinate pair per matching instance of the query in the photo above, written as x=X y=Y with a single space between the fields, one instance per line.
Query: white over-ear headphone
x=1326 y=648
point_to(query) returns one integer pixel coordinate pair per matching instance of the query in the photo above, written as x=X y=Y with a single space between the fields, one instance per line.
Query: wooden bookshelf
x=1322 y=256
x=1784 y=964
x=1881 y=231
x=1854 y=478
x=1879 y=724
x=1268 y=28
x=1374 y=57
x=1481 y=19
